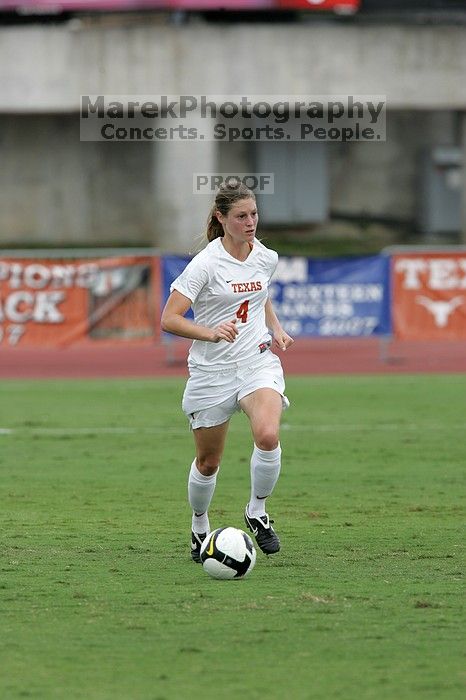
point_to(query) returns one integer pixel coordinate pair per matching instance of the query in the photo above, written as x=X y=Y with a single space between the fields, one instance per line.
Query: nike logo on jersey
x=228 y=281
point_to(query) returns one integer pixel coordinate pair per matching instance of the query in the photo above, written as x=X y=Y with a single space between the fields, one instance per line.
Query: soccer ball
x=228 y=553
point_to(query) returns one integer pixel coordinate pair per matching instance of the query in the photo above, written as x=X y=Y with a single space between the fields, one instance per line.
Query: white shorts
x=212 y=395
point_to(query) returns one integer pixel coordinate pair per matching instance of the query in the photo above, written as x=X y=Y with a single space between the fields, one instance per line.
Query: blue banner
x=333 y=297
x=172 y=267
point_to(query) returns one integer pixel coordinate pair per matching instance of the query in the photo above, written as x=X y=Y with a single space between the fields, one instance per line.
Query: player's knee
x=207 y=464
x=266 y=439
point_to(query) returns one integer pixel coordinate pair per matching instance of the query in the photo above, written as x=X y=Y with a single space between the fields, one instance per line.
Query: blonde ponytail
x=214 y=227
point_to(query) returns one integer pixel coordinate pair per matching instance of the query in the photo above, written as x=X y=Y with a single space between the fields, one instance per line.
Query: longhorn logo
x=440 y=310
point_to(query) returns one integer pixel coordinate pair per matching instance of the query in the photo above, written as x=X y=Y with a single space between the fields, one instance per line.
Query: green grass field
x=99 y=598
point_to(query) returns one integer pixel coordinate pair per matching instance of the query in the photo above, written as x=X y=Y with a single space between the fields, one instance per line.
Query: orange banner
x=60 y=302
x=429 y=296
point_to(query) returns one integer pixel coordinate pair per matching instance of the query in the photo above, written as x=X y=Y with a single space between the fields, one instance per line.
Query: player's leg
x=209 y=425
x=210 y=443
x=263 y=408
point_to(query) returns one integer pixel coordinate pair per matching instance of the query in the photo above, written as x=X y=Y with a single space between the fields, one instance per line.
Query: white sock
x=200 y=491
x=265 y=469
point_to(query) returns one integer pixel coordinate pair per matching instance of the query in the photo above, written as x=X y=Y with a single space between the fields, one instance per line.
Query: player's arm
x=173 y=321
x=280 y=337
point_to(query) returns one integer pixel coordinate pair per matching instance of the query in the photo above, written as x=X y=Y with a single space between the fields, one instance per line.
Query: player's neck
x=240 y=251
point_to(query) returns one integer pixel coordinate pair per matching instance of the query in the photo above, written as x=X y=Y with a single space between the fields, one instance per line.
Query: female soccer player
x=231 y=366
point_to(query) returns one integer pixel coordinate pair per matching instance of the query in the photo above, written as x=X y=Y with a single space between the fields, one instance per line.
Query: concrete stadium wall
x=382 y=180
x=46 y=68
x=54 y=188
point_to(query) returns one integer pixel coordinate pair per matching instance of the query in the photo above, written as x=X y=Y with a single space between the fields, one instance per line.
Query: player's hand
x=225 y=331
x=282 y=340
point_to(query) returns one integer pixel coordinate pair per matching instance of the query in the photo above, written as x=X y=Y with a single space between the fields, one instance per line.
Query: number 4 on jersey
x=242 y=312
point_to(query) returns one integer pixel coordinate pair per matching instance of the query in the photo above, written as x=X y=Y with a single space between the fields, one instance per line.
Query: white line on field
x=157 y=430
x=341 y=427
x=102 y=430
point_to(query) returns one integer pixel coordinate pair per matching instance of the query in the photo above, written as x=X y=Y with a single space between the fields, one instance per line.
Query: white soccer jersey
x=221 y=289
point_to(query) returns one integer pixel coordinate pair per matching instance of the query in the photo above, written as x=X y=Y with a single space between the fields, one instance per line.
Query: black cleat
x=196 y=543
x=261 y=528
